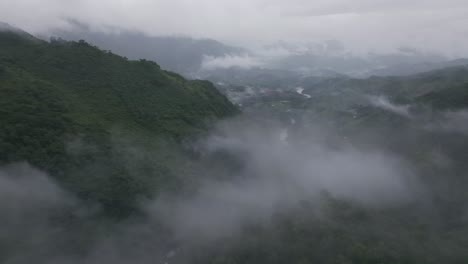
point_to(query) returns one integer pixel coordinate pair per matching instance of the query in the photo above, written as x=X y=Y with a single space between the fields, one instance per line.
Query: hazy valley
x=114 y=149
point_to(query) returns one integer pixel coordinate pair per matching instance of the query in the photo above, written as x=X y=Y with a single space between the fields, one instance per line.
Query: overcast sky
x=363 y=25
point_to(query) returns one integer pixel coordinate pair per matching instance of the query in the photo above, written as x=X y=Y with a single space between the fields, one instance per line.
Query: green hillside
x=53 y=95
x=116 y=136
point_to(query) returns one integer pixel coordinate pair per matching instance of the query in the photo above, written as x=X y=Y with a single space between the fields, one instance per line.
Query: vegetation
x=345 y=232
x=62 y=102
x=111 y=131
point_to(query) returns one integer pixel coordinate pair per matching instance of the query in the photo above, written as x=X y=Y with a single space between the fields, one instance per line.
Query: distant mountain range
x=410 y=69
x=183 y=55
x=117 y=174
x=187 y=56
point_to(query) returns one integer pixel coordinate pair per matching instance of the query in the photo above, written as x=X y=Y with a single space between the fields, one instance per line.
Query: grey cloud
x=451 y=122
x=279 y=172
x=362 y=25
x=27 y=188
x=385 y=104
x=228 y=61
x=339 y=7
x=29 y=200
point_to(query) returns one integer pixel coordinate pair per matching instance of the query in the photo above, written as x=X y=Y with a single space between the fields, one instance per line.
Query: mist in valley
x=248 y=171
x=326 y=132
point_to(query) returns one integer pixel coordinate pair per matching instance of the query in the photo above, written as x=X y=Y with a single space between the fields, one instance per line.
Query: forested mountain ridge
x=141 y=85
x=55 y=94
x=183 y=55
x=330 y=170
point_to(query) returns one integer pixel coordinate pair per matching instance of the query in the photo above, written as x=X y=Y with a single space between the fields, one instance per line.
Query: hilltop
x=54 y=94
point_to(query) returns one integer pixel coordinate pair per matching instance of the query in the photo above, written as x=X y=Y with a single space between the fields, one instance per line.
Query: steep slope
x=62 y=103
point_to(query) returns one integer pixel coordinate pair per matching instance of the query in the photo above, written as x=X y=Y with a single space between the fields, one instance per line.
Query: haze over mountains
x=203 y=58
x=184 y=55
x=114 y=150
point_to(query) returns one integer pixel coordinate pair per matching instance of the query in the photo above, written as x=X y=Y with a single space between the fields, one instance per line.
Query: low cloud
x=230 y=61
x=23 y=188
x=451 y=122
x=277 y=167
x=385 y=104
x=31 y=206
x=279 y=172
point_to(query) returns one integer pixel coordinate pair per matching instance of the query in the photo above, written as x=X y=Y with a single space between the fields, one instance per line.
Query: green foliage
x=341 y=233
x=34 y=121
x=53 y=95
x=107 y=129
x=429 y=231
x=453 y=97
